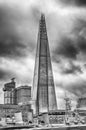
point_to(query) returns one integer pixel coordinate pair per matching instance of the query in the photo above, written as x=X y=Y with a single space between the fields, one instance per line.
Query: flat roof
x=24 y=87
x=56 y=112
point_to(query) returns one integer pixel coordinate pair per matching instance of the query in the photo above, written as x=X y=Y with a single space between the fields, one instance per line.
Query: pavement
x=53 y=127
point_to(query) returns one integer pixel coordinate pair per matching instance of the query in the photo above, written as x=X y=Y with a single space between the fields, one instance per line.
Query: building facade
x=52 y=117
x=43 y=83
x=81 y=103
x=9 y=93
x=23 y=94
x=16 y=96
x=16 y=100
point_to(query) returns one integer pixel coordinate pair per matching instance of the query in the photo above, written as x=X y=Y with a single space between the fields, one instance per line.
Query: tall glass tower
x=43 y=83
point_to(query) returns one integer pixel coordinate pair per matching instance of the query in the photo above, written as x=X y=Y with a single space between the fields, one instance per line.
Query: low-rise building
x=9 y=93
x=23 y=94
x=16 y=100
x=8 y=111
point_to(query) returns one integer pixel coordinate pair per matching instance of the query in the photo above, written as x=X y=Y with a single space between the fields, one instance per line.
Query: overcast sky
x=66 y=28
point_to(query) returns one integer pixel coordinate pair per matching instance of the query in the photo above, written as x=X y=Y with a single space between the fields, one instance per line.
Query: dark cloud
x=74 y=2
x=79 y=31
x=5 y=74
x=66 y=48
x=82 y=44
x=72 y=69
x=6 y=23
x=81 y=2
x=10 y=42
x=11 y=49
x=70 y=47
x=13 y=42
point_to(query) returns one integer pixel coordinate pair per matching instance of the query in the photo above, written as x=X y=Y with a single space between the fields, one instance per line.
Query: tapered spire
x=43 y=83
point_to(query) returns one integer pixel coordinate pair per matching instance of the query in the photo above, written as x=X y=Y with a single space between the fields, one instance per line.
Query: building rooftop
x=24 y=87
x=9 y=86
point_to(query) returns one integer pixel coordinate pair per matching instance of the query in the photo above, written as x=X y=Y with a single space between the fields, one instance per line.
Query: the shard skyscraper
x=43 y=84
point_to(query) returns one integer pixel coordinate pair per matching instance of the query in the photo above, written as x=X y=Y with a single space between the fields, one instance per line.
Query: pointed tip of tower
x=42 y=16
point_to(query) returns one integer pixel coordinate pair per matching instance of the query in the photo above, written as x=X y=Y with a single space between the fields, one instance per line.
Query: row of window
x=8 y=94
x=9 y=101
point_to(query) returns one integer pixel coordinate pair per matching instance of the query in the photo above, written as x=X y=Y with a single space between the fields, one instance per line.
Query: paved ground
x=82 y=127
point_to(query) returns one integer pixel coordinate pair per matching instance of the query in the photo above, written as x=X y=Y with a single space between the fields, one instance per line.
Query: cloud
x=79 y=33
x=74 y=84
x=4 y=74
x=19 y=21
x=66 y=48
x=71 y=68
x=71 y=45
x=12 y=49
x=71 y=77
x=79 y=26
x=74 y=2
x=80 y=2
x=82 y=44
x=78 y=88
x=22 y=70
x=18 y=31
x=10 y=42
